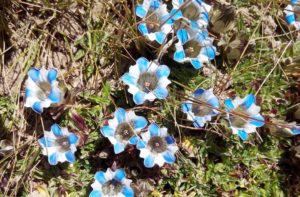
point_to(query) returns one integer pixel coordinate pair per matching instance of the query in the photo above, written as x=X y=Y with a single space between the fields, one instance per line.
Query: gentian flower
x=155 y=24
x=42 y=89
x=245 y=118
x=59 y=145
x=157 y=147
x=201 y=113
x=196 y=11
x=290 y=16
x=147 y=81
x=195 y=48
x=296 y=130
x=123 y=129
x=111 y=184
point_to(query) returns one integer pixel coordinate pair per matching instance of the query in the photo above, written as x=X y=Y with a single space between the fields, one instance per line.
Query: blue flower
x=154 y=25
x=244 y=117
x=42 y=89
x=123 y=129
x=201 y=113
x=59 y=145
x=296 y=130
x=195 y=47
x=147 y=81
x=157 y=147
x=290 y=16
x=195 y=11
x=111 y=184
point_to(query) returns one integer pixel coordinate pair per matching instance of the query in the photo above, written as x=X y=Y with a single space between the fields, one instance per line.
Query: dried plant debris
x=233 y=47
x=223 y=18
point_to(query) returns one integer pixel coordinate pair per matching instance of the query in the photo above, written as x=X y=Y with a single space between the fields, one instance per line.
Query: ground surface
x=92 y=43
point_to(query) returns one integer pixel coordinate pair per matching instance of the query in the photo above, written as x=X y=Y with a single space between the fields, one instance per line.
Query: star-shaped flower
x=42 y=89
x=292 y=14
x=59 y=145
x=147 y=81
x=157 y=147
x=244 y=115
x=111 y=184
x=123 y=129
x=196 y=48
x=201 y=113
x=155 y=24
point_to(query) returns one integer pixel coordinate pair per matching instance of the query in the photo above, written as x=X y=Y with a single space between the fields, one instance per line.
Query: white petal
x=97 y=186
x=144 y=152
x=113 y=123
x=206 y=7
x=146 y=136
x=203 y=58
x=134 y=71
x=118 y=195
x=65 y=131
x=112 y=140
x=163 y=132
x=164 y=82
x=175 y=4
x=207 y=95
x=50 y=135
x=150 y=96
x=249 y=128
x=133 y=89
x=31 y=85
x=253 y=110
x=146 y=4
x=234 y=130
x=109 y=174
x=46 y=103
x=130 y=116
x=43 y=74
x=151 y=36
x=30 y=101
x=152 y=67
x=73 y=148
x=237 y=101
x=289 y=10
x=61 y=157
x=173 y=148
x=166 y=29
x=49 y=150
x=159 y=160
x=126 y=182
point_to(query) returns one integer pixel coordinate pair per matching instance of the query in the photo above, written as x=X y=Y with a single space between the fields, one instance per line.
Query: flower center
x=157 y=144
x=191 y=11
x=44 y=90
x=63 y=143
x=236 y=120
x=192 y=48
x=112 y=187
x=201 y=109
x=147 y=82
x=153 y=21
x=124 y=131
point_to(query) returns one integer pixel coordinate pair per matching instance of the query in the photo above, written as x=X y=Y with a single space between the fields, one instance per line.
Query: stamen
x=124 y=131
x=112 y=187
x=44 y=90
x=192 y=48
x=157 y=144
x=147 y=82
x=63 y=143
